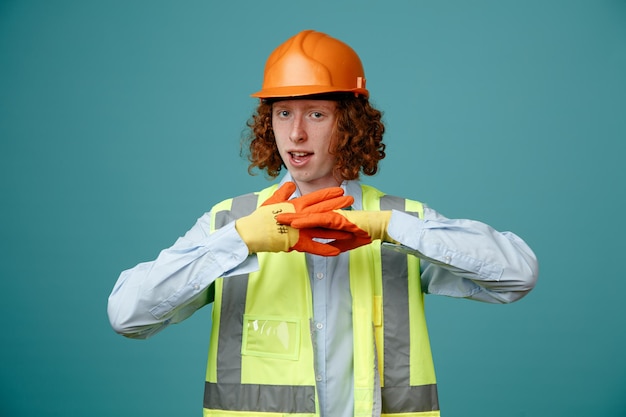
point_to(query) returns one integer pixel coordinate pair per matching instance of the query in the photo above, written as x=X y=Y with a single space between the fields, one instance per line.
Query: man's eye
x=317 y=115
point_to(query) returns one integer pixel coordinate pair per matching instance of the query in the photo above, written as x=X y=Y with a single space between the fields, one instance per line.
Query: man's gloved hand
x=262 y=232
x=374 y=223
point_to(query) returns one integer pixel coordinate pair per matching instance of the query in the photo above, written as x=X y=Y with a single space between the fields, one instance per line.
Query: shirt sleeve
x=167 y=290
x=466 y=258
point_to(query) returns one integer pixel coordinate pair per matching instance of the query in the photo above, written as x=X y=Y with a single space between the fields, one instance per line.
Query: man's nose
x=298 y=133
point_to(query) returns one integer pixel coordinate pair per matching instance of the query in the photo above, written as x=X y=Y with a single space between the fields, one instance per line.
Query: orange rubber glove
x=262 y=232
x=373 y=223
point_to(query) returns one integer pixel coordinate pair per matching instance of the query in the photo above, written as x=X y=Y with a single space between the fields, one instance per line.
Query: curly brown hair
x=358 y=142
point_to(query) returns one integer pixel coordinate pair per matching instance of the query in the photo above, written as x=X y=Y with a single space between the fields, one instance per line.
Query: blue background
x=120 y=124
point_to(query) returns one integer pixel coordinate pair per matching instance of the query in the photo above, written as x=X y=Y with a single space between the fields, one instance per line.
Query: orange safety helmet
x=312 y=63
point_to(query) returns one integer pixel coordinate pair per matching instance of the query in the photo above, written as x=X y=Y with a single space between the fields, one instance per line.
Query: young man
x=317 y=283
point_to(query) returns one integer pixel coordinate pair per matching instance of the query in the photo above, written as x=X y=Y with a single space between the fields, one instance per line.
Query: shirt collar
x=350 y=187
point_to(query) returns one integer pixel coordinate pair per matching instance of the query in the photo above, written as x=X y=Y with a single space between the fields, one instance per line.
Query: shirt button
x=320 y=275
x=447 y=259
x=319 y=326
x=318 y=377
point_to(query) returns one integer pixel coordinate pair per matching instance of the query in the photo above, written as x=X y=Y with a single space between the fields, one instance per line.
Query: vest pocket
x=271 y=337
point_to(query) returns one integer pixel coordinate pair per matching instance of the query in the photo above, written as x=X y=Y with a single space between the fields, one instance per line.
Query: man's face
x=304 y=131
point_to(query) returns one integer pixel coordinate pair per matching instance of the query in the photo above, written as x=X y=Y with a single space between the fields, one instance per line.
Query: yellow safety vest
x=261 y=357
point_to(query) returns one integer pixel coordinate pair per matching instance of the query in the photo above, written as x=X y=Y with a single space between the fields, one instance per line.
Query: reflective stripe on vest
x=404 y=360
x=399 y=393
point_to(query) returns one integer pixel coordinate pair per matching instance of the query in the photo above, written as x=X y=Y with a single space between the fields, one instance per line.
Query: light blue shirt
x=460 y=258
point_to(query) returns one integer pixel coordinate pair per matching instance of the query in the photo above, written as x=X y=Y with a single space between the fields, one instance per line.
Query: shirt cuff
x=446 y=244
